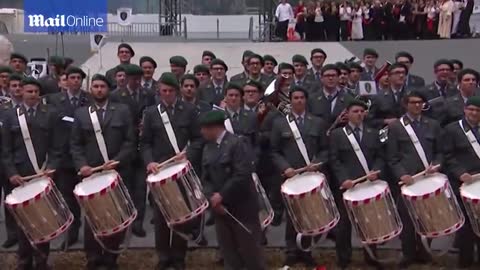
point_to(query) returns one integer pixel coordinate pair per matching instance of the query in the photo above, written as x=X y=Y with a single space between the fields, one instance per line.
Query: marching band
x=315 y=148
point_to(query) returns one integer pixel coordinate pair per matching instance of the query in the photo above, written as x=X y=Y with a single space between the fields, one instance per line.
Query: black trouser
x=66 y=179
x=10 y=224
x=282 y=29
x=137 y=188
x=272 y=181
x=29 y=256
x=96 y=255
x=343 y=30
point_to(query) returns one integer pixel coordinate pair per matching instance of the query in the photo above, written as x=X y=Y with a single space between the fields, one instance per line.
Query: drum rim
x=303 y=194
x=58 y=232
x=323 y=229
x=433 y=193
x=172 y=178
x=474 y=200
x=377 y=197
x=119 y=228
x=37 y=197
x=101 y=192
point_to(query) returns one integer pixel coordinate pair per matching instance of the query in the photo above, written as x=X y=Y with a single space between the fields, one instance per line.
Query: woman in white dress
x=445 y=19
x=357 y=27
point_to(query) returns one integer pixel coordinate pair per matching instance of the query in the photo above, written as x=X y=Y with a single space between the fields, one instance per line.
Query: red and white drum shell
x=470 y=194
x=265 y=213
x=106 y=203
x=39 y=209
x=177 y=191
x=371 y=209
x=310 y=203
x=432 y=206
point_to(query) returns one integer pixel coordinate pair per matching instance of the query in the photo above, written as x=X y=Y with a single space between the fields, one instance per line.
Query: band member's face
x=99 y=90
x=62 y=83
x=343 y=78
x=286 y=77
x=252 y=95
x=468 y=84
x=405 y=61
x=31 y=94
x=15 y=88
x=121 y=79
x=397 y=76
x=134 y=82
x=218 y=72
x=124 y=55
x=18 y=65
x=456 y=68
x=206 y=60
x=74 y=81
x=414 y=105
x=318 y=59
x=148 y=70
x=384 y=82
x=233 y=99
x=4 y=80
x=268 y=67
x=168 y=94
x=177 y=70
x=298 y=101
x=188 y=89
x=472 y=114
x=202 y=77
x=300 y=69
x=354 y=75
x=330 y=79
x=369 y=60
x=356 y=114
x=211 y=133
x=442 y=72
x=254 y=66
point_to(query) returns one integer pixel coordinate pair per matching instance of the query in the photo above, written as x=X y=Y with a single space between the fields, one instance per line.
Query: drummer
x=462 y=162
x=346 y=166
x=42 y=121
x=405 y=158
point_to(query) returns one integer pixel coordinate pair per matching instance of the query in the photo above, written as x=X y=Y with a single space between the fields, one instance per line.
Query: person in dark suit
x=461 y=162
x=66 y=176
x=330 y=103
x=125 y=53
x=413 y=81
x=214 y=91
x=188 y=89
x=137 y=99
x=156 y=148
x=317 y=58
x=457 y=66
x=226 y=178
x=148 y=66
x=119 y=135
x=178 y=66
x=269 y=66
x=404 y=161
x=255 y=64
x=244 y=75
x=301 y=77
x=346 y=166
x=370 y=57
x=467 y=87
x=56 y=67
x=287 y=157
x=42 y=121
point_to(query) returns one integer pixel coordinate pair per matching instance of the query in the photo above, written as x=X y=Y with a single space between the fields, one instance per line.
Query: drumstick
x=301 y=170
x=420 y=174
x=169 y=160
x=363 y=178
x=99 y=168
x=28 y=178
x=237 y=221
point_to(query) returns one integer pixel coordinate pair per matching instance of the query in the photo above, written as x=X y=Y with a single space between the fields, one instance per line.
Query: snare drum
x=177 y=191
x=39 y=209
x=265 y=213
x=432 y=206
x=310 y=203
x=372 y=212
x=471 y=200
x=106 y=203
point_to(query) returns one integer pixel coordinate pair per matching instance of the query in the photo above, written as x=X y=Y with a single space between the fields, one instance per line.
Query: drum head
x=425 y=185
x=28 y=191
x=471 y=191
x=303 y=183
x=168 y=171
x=95 y=183
x=365 y=190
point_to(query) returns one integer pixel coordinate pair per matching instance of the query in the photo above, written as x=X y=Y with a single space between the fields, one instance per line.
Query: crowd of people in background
x=376 y=20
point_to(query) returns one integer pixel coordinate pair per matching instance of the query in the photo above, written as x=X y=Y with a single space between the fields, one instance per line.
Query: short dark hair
x=414 y=93
x=466 y=71
x=189 y=77
x=297 y=88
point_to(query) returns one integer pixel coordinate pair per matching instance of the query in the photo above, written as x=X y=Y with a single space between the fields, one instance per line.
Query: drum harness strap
x=27 y=139
x=358 y=151
x=471 y=138
x=228 y=125
x=416 y=142
x=298 y=139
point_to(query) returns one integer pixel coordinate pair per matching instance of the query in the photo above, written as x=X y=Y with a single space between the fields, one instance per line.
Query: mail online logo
x=65 y=16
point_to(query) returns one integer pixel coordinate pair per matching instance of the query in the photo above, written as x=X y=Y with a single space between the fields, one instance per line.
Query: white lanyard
x=472 y=139
x=27 y=139
x=228 y=125
x=357 y=150
x=98 y=133
x=416 y=143
x=298 y=139
x=168 y=128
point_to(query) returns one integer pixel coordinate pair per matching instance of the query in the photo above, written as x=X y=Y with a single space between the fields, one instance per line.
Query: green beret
x=6 y=69
x=144 y=59
x=298 y=88
x=18 y=56
x=236 y=86
x=256 y=84
x=120 y=68
x=133 y=70
x=416 y=93
x=201 y=68
x=370 y=51
x=16 y=77
x=32 y=81
x=126 y=46
x=219 y=62
x=68 y=61
x=100 y=77
x=443 y=62
x=404 y=54
x=214 y=117
x=75 y=70
x=56 y=60
x=318 y=50
x=297 y=58
x=257 y=56
x=357 y=102
x=208 y=53
x=169 y=79
x=283 y=66
x=270 y=58
x=190 y=77
x=342 y=66
x=247 y=54
x=329 y=67
x=178 y=60
x=397 y=65
x=355 y=65
x=475 y=101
